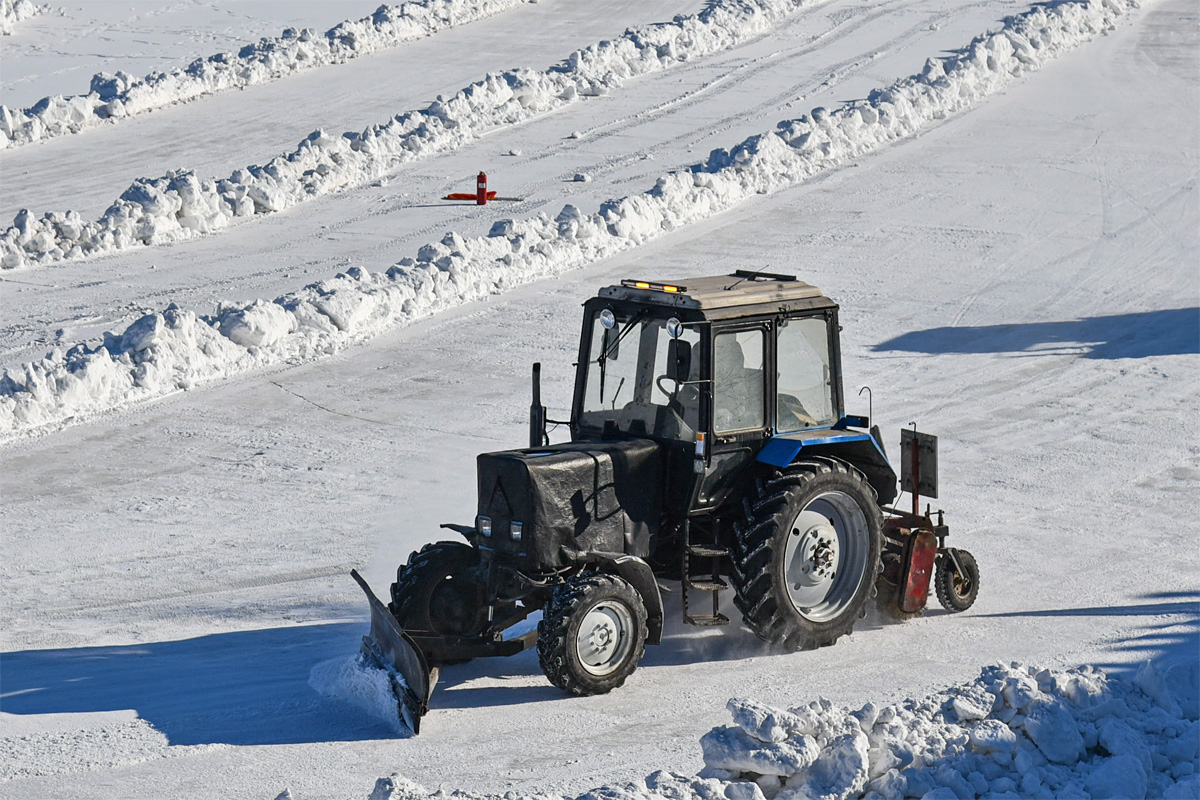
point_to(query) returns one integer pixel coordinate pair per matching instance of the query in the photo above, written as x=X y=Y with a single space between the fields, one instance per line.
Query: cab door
x=740 y=408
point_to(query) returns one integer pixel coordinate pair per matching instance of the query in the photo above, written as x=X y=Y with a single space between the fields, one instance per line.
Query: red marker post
x=481 y=192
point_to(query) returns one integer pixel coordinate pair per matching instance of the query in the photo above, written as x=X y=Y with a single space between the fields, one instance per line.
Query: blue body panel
x=782 y=449
x=856 y=448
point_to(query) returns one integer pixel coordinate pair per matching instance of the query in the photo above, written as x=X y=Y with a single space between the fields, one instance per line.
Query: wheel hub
x=816 y=556
x=604 y=637
x=825 y=556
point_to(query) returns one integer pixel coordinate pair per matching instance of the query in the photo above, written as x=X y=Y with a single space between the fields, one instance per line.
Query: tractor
x=709 y=451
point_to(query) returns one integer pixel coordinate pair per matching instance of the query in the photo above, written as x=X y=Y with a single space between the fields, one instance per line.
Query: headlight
x=484 y=525
x=515 y=531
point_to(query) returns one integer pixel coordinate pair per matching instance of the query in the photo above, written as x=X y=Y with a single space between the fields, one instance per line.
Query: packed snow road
x=1020 y=280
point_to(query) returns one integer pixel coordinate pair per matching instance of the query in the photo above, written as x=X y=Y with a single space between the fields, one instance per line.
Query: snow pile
x=180 y=205
x=1014 y=733
x=176 y=349
x=12 y=12
x=122 y=95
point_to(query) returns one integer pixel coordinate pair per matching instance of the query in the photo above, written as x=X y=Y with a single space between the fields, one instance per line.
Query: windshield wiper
x=605 y=350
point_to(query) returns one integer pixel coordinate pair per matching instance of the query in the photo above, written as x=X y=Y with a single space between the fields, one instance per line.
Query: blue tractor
x=709 y=452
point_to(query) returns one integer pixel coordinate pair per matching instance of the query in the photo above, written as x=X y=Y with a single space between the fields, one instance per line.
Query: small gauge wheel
x=956 y=590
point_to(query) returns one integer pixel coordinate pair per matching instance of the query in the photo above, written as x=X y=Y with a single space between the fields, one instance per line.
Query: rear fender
x=858 y=449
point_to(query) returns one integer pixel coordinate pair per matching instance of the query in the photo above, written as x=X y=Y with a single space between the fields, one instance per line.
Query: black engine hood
x=572 y=498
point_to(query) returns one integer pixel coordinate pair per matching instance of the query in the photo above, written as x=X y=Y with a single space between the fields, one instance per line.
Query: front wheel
x=592 y=634
x=806 y=554
x=439 y=591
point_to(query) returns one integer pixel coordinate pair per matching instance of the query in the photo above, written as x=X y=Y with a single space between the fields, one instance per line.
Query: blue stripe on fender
x=782 y=450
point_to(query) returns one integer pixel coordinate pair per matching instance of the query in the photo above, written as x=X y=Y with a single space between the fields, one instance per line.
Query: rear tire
x=954 y=591
x=807 y=553
x=438 y=591
x=592 y=634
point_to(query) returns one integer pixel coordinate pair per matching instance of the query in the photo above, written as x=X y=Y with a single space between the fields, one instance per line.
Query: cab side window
x=738 y=360
x=805 y=391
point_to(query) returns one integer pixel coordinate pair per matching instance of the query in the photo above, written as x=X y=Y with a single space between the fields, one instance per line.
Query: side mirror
x=679 y=360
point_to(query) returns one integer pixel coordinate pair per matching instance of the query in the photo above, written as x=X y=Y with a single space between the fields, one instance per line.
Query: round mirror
x=607 y=318
x=674 y=327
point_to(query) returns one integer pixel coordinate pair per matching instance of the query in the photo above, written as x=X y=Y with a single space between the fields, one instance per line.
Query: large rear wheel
x=807 y=553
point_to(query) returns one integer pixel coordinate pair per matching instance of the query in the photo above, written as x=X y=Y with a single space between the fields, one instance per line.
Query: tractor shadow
x=494 y=682
x=241 y=688
x=1139 y=335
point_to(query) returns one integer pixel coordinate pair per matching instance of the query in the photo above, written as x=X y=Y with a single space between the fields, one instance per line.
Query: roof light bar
x=654 y=287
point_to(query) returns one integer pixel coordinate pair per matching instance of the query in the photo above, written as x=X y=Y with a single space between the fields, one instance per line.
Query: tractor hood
x=570 y=499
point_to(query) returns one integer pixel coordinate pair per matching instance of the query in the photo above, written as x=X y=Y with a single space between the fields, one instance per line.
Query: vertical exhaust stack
x=537 y=411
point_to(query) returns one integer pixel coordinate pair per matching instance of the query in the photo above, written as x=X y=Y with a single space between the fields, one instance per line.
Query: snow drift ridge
x=179 y=205
x=177 y=349
x=12 y=12
x=121 y=95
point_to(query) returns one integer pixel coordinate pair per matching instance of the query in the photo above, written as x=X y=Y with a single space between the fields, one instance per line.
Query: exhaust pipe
x=537 y=411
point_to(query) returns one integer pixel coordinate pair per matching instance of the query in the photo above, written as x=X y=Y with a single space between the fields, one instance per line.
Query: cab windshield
x=639 y=379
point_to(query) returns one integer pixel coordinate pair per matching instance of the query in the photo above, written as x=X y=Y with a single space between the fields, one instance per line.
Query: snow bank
x=1013 y=733
x=122 y=95
x=179 y=205
x=177 y=349
x=12 y=12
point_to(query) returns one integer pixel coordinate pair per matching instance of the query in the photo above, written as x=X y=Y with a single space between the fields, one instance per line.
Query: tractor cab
x=713 y=369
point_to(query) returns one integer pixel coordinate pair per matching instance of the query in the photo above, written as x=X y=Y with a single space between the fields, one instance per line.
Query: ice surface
x=187 y=349
x=181 y=205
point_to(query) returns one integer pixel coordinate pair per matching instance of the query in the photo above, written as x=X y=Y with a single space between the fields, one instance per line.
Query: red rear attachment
x=918 y=567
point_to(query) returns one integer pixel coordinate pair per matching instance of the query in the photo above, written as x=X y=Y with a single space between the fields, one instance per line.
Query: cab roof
x=729 y=293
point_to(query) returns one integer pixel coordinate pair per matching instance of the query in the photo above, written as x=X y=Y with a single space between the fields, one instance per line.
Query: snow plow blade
x=394 y=651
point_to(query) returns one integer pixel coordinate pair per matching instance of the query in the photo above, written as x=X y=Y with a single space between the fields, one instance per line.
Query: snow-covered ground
x=1021 y=278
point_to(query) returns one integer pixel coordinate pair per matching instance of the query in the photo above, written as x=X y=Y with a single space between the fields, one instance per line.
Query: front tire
x=592 y=634
x=807 y=553
x=438 y=591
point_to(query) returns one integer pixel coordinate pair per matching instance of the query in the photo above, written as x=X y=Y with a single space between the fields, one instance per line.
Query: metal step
x=708 y=620
x=706 y=586
x=707 y=551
